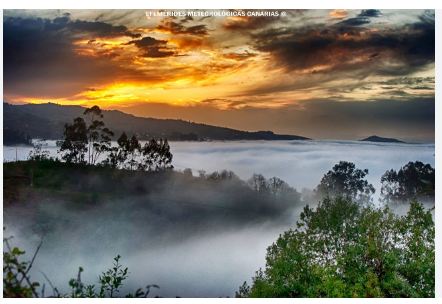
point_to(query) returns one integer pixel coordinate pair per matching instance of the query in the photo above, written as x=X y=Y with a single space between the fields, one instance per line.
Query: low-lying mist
x=192 y=236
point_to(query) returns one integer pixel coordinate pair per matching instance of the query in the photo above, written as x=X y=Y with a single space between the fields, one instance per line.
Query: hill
x=375 y=138
x=47 y=120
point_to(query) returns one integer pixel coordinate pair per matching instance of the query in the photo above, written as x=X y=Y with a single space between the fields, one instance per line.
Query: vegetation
x=94 y=138
x=347 y=181
x=15 y=137
x=129 y=154
x=17 y=282
x=415 y=180
x=344 y=249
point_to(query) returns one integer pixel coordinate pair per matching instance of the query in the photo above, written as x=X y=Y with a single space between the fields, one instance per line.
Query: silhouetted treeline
x=16 y=137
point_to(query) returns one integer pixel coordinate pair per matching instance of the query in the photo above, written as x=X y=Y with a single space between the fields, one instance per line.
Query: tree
x=99 y=137
x=346 y=180
x=415 y=180
x=132 y=147
x=258 y=183
x=37 y=153
x=93 y=138
x=117 y=155
x=155 y=156
x=74 y=145
x=345 y=249
x=278 y=187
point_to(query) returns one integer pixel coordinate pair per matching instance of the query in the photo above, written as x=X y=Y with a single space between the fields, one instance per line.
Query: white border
x=226 y=4
x=312 y=4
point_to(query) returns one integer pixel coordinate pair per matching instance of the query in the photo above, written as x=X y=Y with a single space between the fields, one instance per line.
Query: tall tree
x=74 y=145
x=155 y=156
x=117 y=155
x=347 y=181
x=99 y=137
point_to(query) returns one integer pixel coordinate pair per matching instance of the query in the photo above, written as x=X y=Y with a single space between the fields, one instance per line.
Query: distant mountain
x=47 y=121
x=375 y=138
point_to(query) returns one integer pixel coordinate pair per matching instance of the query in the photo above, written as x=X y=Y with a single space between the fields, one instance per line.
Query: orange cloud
x=338 y=14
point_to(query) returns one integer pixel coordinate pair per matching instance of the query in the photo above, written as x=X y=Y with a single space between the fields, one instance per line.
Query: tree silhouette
x=80 y=137
x=99 y=137
x=155 y=156
x=74 y=145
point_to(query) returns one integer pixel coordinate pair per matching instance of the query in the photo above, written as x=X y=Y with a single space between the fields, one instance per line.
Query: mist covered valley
x=195 y=235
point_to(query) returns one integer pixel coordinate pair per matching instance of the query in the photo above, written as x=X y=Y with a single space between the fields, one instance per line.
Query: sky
x=336 y=74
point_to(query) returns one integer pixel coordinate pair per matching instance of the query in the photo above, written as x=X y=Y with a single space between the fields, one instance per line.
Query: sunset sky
x=317 y=73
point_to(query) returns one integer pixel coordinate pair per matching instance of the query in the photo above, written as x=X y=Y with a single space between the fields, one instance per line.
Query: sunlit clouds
x=125 y=59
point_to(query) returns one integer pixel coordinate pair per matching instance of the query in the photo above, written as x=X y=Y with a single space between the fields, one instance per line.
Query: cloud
x=239 y=56
x=40 y=57
x=168 y=25
x=153 y=48
x=59 y=58
x=362 y=18
x=348 y=47
x=370 y=13
x=338 y=14
x=246 y=23
x=100 y=29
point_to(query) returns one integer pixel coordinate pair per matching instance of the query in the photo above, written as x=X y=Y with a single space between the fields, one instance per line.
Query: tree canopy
x=346 y=180
x=91 y=136
x=344 y=249
x=415 y=180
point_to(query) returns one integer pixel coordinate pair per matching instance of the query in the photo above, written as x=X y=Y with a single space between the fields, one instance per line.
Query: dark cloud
x=370 y=13
x=153 y=48
x=357 y=21
x=409 y=81
x=100 y=29
x=239 y=56
x=40 y=58
x=170 y=26
x=362 y=18
x=335 y=48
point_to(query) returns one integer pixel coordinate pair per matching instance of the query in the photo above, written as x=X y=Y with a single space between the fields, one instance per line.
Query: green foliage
x=16 y=280
x=18 y=284
x=346 y=180
x=344 y=249
x=112 y=279
x=415 y=180
x=110 y=282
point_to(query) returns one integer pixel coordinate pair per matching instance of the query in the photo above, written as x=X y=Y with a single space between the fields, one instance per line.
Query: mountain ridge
x=47 y=120
x=375 y=138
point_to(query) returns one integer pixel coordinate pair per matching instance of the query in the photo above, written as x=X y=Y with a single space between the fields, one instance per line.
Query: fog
x=192 y=239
